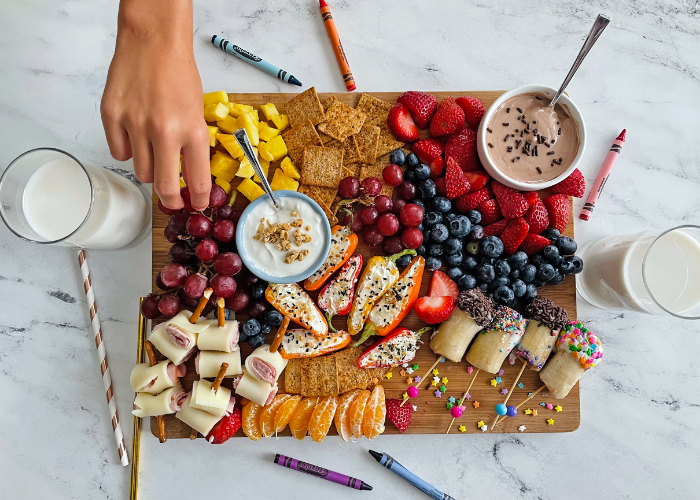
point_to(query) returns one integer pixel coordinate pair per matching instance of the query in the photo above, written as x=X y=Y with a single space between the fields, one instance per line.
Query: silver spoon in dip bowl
x=243 y=141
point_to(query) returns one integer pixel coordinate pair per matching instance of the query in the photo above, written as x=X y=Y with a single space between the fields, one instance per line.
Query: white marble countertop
x=640 y=407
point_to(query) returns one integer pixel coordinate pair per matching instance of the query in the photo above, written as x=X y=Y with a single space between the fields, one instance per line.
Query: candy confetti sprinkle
x=529 y=394
x=550 y=421
x=476 y=404
x=417 y=379
x=443 y=388
x=520 y=385
x=409 y=380
x=444 y=380
x=528 y=412
x=468 y=397
x=484 y=428
x=434 y=383
x=452 y=399
x=415 y=408
x=435 y=371
x=403 y=373
x=436 y=379
x=543 y=404
x=549 y=406
x=522 y=428
x=534 y=413
x=415 y=367
x=389 y=375
x=480 y=424
x=448 y=405
x=409 y=370
x=501 y=372
x=405 y=365
x=462 y=428
x=493 y=382
x=504 y=391
x=438 y=394
x=470 y=369
x=405 y=395
x=558 y=408
x=499 y=380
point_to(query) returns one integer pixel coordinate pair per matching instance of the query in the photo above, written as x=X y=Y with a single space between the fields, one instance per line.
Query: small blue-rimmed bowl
x=242 y=236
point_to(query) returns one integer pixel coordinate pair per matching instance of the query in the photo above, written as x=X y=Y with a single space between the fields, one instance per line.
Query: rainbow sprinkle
x=509 y=321
x=583 y=345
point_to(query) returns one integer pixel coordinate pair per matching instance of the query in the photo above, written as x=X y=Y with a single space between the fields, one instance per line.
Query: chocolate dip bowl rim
x=490 y=165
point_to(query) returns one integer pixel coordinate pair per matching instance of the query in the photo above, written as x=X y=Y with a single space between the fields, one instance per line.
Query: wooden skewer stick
x=510 y=393
x=464 y=396
x=423 y=377
x=219 y=377
x=202 y=304
x=279 y=335
x=151 y=353
x=221 y=312
x=525 y=401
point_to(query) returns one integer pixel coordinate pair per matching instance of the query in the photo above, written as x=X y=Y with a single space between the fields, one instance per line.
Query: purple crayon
x=314 y=470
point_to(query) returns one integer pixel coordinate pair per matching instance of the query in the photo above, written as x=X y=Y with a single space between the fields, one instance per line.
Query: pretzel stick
x=464 y=396
x=525 y=401
x=202 y=304
x=423 y=377
x=512 y=387
x=279 y=335
x=219 y=377
x=193 y=434
x=221 y=312
x=161 y=419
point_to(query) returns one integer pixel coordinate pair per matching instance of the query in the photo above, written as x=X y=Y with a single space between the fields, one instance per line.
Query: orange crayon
x=337 y=46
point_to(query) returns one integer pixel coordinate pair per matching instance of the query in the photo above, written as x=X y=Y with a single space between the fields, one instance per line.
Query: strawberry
x=531 y=197
x=513 y=204
x=436 y=168
x=537 y=217
x=421 y=105
x=574 y=185
x=399 y=415
x=440 y=186
x=434 y=310
x=442 y=286
x=490 y=212
x=401 y=124
x=470 y=201
x=428 y=149
x=449 y=118
x=533 y=243
x=473 y=110
x=477 y=179
x=462 y=147
x=495 y=229
x=514 y=234
x=559 y=210
x=455 y=182
x=225 y=428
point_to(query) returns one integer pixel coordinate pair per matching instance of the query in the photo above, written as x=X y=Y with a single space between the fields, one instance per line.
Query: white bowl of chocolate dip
x=526 y=144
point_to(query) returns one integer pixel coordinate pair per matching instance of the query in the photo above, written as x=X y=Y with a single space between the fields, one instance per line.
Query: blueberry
x=469 y=263
x=412 y=161
x=491 y=296
x=539 y=283
x=256 y=341
x=497 y=282
x=455 y=274
x=514 y=274
x=566 y=246
x=441 y=204
x=484 y=287
x=426 y=190
x=404 y=260
x=556 y=262
x=518 y=260
x=502 y=267
x=452 y=245
x=242 y=336
x=422 y=172
x=421 y=249
x=460 y=226
x=557 y=278
x=397 y=157
x=486 y=260
x=409 y=175
x=550 y=252
x=538 y=259
x=504 y=295
x=466 y=282
x=545 y=272
x=472 y=248
x=439 y=233
x=251 y=327
x=474 y=216
x=566 y=266
x=454 y=259
x=512 y=303
x=420 y=203
x=265 y=329
x=476 y=233
x=435 y=250
x=484 y=273
x=530 y=293
x=576 y=261
x=257 y=291
x=432 y=218
x=433 y=263
x=519 y=288
x=528 y=273
x=551 y=234
x=421 y=226
x=492 y=246
x=227 y=313
x=426 y=235
x=273 y=318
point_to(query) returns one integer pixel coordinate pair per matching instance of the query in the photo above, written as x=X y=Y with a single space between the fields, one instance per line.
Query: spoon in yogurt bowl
x=242 y=137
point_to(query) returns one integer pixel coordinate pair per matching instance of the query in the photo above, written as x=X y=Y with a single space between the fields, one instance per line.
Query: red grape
x=186 y=300
x=406 y=191
x=185 y=193
x=217 y=196
x=411 y=215
x=357 y=226
x=349 y=187
x=257 y=309
x=149 y=307
x=169 y=305
x=236 y=216
x=224 y=230
x=170 y=235
x=228 y=263
x=179 y=252
x=207 y=250
x=388 y=224
x=160 y=284
x=383 y=203
x=173 y=275
x=398 y=205
x=250 y=279
x=369 y=215
x=371 y=236
x=195 y=284
x=198 y=226
x=344 y=217
x=224 y=213
x=178 y=222
x=393 y=175
x=392 y=245
x=238 y=301
x=166 y=210
x=412 y=237
x=372 y=186
x=223 y=286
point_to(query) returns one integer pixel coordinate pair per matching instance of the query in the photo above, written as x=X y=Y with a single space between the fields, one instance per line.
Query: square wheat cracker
x=349 y=375
x=320 y=376
x=299 y=137
x=348 y=147
x=377 y=111
x=321 y=166
x=387 y=143
x=342 y=121
x=326 y=104
x=366 y=142
x=305 y=106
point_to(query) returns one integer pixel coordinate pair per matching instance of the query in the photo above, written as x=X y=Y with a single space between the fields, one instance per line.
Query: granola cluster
x=279 y=234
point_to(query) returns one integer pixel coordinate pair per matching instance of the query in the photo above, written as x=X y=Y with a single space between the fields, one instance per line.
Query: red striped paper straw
x=102 y=355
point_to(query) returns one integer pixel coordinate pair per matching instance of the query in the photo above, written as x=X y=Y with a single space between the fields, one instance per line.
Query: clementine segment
x=375 y=413
x=299 y=422
x=285 y=411
x=267 y=416
x=342 y=414
x=322 y=418
x=357 y=411
x=251 y=421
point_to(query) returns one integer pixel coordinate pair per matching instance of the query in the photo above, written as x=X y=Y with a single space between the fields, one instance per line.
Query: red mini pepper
x=343 y=244
x=398 y=347
x=336 y=296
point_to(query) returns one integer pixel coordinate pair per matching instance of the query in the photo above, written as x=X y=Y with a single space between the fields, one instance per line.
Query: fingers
x=117 y=138
x=166 y=171
x=196 y=167
x=143 y=155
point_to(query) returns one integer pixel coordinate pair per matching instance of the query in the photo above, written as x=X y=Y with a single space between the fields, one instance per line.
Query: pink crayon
x=603 y=175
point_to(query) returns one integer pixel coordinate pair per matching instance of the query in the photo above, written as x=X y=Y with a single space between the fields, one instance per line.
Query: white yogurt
x=265 y=256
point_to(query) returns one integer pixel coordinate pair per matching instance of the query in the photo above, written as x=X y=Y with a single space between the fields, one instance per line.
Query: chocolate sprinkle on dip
x=548 y=314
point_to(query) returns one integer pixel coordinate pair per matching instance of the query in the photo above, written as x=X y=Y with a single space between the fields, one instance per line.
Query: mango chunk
x=245 y=169
x=231 y=144
x=223 y=166
x=238 y=109
x=182 y=183
x=250 y=190
x=215 y=112
x=289 y=168
x=281 y=122
x=248 y=121
x=264 y=153
x=226 y=185
x=266 y=132
x=212 y=135
x=265 y=165
x=281 y=181
x=269 y=110
x=214 y=97
x=276 y=148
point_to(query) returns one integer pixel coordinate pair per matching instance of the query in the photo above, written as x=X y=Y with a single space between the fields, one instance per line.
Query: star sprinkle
x=558 y=408
x=522 y=428
x=434 y=383
x=504 y=391
x=550 y=406
x=484 y=428
x=499 y=380
x=443 y=388
x=543 y=404
x=404 y=365
x=452 y=399
x=415 y=408
x=462 y=408
x=444 y=380
x=534 y=413
x=436 y=379
x=435 y=371
x=528 y=412
x=520 y=385
x=375 y=380
x=470 y=369
x=417 y=379
x=468 y=397
x=409 y=380
x=449 y=405
x=476 y=404
x=529 y=394
x=415 y=367
x=493 y=382
x=501 y=372
x=403 y=373
x=462 y=428
x=405 y=395
x=409 y=370
x=480 y=424
x=550 y=421
x=438 y=394
x=389 y=375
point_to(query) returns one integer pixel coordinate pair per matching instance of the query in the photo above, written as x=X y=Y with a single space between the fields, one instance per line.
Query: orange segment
x=357 y=411
x=284 y=412
x=267 y=416
x=299 y=422
x=322 y=418
x=342 y=414
x=375 y=412
x=251 y=420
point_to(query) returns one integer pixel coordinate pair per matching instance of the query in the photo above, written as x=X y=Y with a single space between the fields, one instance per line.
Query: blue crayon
x=409 y=476
x=254 y=60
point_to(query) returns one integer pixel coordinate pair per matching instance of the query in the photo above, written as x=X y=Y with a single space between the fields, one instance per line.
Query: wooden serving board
x=431 y=416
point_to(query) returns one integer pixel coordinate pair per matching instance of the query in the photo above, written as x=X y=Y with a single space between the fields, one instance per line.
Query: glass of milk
x=655 y=272
x=48 y=196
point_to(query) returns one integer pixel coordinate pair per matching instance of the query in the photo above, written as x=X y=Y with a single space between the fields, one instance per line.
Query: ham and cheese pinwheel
x=264 y=365
x=216 y=338
x=208 y=363
x=167 y=402
x=204 y=398
x=155 y=379
x=199 y=420
x=253 y=389
x=176 y=339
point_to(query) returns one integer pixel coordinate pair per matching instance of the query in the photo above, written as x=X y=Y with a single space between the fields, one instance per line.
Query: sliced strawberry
x=490 y=212
x=477 y=179
x=449 y=118
x=455 y=182
x=462 y=147
x=436 y=167
x=514 y=234
x=512 y=203
x=537 y=217
x=533 y=243
x=401 y=124
x=434 y=310
x=421 y=105
x=559 y=210
x=226 y=427
x=470 y=201
x=428 y=149
x=496 y=229
x=440 y=186
x=442 y=286
x=574 y=185
x=399 y=415
x=531 y=197
x=473 y=110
